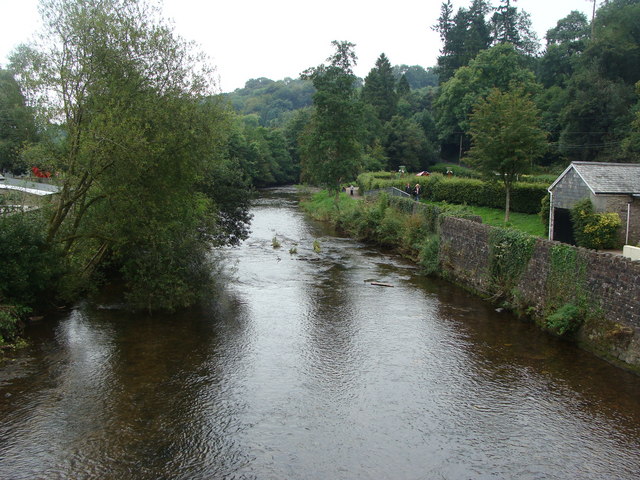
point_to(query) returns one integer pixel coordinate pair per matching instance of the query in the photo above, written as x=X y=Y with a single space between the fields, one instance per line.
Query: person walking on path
x=416 y=192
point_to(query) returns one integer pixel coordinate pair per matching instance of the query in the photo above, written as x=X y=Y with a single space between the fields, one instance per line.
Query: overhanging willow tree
x=138 y=133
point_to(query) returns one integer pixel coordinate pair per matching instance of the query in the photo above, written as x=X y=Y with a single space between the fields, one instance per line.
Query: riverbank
x=587 y=297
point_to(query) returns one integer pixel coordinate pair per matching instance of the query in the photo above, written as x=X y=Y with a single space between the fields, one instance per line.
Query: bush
x=567 y=319
x=29 y=267
x=545 y=208
x=594 y=230
x=30 y=270
x=10 y=316
x=390 y=229
x=415 y=228
x=430 y=255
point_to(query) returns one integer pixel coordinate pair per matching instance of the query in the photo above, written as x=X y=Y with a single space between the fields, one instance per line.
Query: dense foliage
x=272 y=100
x=595 y=230
x=139 y=148
x=17 y=124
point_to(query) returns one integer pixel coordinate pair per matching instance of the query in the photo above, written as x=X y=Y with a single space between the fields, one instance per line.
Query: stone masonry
x=611 y=283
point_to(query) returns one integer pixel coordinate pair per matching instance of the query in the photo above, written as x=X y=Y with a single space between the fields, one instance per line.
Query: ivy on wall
x=510 y=252
x=567 y=299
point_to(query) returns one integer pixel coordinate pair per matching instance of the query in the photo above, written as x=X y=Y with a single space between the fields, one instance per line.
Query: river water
x=301 y=369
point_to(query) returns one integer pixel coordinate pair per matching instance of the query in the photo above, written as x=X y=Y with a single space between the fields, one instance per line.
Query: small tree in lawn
x=506 y=137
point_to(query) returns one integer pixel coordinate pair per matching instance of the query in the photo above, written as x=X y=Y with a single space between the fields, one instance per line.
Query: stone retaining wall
x=611 y=284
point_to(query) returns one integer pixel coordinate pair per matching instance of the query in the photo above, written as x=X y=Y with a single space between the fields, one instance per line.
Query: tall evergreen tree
x=380 y=89
x=513 y=26
x=403 y=88
x=463 y=36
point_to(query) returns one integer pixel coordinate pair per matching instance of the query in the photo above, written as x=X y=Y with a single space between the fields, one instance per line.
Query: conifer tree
x=380 y=89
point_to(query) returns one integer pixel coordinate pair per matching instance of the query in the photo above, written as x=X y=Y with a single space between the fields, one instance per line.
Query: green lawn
x=524 y=222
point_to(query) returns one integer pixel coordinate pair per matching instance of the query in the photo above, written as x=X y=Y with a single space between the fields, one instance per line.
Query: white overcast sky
x=280 y=38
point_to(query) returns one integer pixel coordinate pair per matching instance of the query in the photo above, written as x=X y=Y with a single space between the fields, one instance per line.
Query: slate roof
x=607 y=178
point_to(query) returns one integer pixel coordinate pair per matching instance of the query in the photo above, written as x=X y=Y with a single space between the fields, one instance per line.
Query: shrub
x=29 y=266
x=10 y=317
x=415 y=228
x=567 y=319
x=594 y=230
x=430 y=254
x=390 y=229
x=30 y=270
x=545 y=207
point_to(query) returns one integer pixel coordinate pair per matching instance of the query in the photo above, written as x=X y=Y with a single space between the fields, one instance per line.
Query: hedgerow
x=525 y=197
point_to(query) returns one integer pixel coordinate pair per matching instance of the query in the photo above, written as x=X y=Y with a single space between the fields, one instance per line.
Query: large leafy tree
x=17 y=125
x=565 y=42
x=331 y=145
x=405 y=144
x=139 y=135
x=499 y=67
x=506 y=137
x=600 y=94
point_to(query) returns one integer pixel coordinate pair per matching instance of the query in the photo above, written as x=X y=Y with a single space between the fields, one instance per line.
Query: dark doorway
x=562 y=226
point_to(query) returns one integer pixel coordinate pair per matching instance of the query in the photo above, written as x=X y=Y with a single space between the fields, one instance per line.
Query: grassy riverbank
x=371 y=219
x=414 y=230
x=544 y=281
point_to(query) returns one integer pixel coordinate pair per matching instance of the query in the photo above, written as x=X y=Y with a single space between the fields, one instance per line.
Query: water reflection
x=303 y=369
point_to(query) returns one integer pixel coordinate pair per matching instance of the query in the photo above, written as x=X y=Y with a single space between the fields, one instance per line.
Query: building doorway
x=562 y=226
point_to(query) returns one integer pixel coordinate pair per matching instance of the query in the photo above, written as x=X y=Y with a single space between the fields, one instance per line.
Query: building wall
x=570 y=190
x=611 y=283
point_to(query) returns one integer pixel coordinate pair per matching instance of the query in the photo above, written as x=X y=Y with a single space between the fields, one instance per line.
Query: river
x=301 y=369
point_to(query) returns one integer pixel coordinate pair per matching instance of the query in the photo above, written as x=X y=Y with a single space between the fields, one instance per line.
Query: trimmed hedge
x=525 y=197
x=458 y=171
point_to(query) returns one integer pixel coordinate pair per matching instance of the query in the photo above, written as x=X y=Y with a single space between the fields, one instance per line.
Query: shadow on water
x=300 y=368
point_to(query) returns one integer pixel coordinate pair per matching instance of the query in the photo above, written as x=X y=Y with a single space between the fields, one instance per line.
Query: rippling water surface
x=303 y=370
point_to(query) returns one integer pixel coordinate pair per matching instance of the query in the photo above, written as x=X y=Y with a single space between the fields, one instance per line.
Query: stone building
x=611 y=187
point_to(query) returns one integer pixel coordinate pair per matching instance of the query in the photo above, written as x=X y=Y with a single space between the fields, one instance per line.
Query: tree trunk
x=507 y=203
